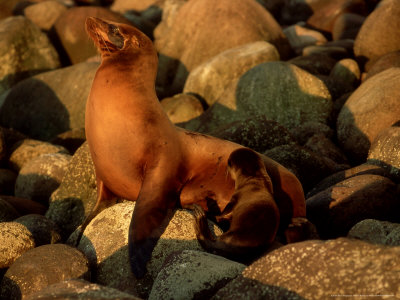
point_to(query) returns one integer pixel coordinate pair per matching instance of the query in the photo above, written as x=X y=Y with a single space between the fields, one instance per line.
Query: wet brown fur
x=252 y=213
x=141 y=156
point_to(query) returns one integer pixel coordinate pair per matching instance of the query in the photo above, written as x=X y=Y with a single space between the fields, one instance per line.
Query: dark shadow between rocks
x=10 y=289
x=171 y=76
x=34 y=109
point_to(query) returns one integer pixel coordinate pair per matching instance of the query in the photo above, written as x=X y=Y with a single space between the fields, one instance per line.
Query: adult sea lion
x=252 y=213
x=141 y=156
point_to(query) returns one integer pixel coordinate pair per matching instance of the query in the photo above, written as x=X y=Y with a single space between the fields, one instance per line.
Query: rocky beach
x=312 y=84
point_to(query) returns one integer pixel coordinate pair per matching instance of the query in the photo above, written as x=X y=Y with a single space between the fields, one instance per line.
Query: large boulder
x=202 y=29
x=210 y=79
x=379 y=33
x=373 y=107
x=277 y=90
x=24 y=51
x=50 y=103
x=319 y=270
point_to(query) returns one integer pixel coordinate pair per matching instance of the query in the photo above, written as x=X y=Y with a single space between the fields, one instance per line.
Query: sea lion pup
x=141 y=156
x=252 y=212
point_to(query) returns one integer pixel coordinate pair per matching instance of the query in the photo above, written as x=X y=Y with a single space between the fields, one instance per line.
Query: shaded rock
x=44 y=14
x=7 y=211
x=105 y=243
x=306 y=130
x=24 y=51
x=122 y=6
x=331 y=50
x=15 y=239
x=28 y=149
x=40 y=267
x=346 y=75
x=193 y=274
x=317 y=64
x=76 y=195
x=364 y=169
x=211 y=78
x=378 y=34
x=218 y=27
x=335 y=210
x=327 y=12
x=7 y=181
x=79 y=289
x=320 y=144
x=318 y=270
x=296 y=11
x=347 y=26
x=41 y=176
x=376 y=232
x=277 y=90
x=385 y=150
x=3 y=145
x=259 y=133
x=308 y=166
x=182 y=107
x=338 y=105
x=300 y=37
x=51 y=103
x=6 y=8
x=24 y=206
x=71 y=139
x=386 y=61
x=43 y=230
x=367 y=112
x=70 y=29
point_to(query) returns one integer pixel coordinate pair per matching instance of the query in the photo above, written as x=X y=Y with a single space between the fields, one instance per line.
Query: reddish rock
x=70 y=28
x=379 y=33
x=367 y=112
x=338 y=208
x=42 y=266
x=389 y=60
x=326 y=12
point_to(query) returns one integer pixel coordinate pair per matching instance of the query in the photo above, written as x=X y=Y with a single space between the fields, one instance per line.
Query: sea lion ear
x=115 y=37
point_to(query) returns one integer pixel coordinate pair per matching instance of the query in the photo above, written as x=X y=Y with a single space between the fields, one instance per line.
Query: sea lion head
x=245 y=163
x=113 y=38
x=125 y=47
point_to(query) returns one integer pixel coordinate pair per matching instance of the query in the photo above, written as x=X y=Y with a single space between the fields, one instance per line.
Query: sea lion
x=141 y=156
x=252 y=213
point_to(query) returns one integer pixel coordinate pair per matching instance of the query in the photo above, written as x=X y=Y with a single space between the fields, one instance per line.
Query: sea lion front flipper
x=151 y=215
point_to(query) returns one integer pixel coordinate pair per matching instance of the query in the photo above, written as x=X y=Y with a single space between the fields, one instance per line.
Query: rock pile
x=312 y=84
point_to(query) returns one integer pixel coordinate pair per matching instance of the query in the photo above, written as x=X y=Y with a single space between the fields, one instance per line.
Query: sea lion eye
x=115 y=36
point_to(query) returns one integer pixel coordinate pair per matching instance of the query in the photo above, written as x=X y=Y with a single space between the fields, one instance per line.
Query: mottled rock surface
x=319 y=270
x=367 y=112
x=40 y=267
x=192 y=274
x=24 y=51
